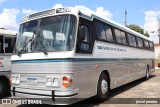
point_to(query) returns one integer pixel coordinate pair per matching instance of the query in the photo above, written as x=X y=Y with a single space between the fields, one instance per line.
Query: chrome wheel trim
x=104 y=86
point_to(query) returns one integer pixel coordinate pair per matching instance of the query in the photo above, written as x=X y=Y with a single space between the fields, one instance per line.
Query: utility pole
x=125 y=22
x=159 y=29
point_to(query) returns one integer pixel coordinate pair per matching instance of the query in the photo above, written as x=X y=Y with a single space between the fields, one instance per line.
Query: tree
x=146 y=34
x=138 y=29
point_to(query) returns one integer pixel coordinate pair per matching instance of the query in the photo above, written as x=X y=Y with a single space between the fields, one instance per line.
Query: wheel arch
x=108 y=77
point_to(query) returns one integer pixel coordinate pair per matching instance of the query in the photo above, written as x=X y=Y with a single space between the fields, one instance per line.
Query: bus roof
x=7 y=32
x=85 y=13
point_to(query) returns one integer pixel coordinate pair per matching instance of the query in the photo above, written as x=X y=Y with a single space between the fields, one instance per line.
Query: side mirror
x=84 y=47
x=81 y=32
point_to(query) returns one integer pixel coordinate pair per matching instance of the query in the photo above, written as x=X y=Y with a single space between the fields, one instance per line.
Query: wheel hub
x=104 y=86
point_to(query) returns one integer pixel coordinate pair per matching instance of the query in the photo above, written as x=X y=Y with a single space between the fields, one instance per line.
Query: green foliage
x=138 y=29
x=146 y=34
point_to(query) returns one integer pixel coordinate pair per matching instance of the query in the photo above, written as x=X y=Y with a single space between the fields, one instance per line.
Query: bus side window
x=120 y=37
x=8 y=45
x=151 y=45
x=100 y=31
x=0 y=47
x=1 y=44
x=132 y=40
x=140 y=42
x=108 y=32
x=146 y=43
x=83 y=42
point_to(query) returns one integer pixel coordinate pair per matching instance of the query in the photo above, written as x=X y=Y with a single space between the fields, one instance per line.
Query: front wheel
x=3 y=88
x=102 y=88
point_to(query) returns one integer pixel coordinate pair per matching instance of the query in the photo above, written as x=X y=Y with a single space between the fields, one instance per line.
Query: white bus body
x=7 y=40
x=78 y=61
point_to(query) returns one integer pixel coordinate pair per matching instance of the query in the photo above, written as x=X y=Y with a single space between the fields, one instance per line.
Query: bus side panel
x=126 y=63
x=85 y=78
x=5 y=62
x=86 y=74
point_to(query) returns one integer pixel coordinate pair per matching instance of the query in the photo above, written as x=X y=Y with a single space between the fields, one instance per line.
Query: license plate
x=31 y=81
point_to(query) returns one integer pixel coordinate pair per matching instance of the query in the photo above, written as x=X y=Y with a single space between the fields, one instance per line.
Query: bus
x=7 y=40
x=73 y=54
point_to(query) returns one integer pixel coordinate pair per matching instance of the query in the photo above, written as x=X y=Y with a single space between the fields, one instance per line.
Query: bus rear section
x=7 y=42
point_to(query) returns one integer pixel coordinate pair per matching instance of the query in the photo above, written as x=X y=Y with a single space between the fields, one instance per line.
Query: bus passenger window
x=100 y=31
x=118 y=36
x=140 y=42
x=83 y=43
x=151 y=45
x=146 y=43
x=132 y=40
x=8 y=45
x=1 y=44
x=0 y=47
x=109 y=34
x=124 y=40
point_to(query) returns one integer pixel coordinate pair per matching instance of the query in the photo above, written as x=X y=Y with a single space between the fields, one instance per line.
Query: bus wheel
x=3 y=88
x=102 y=88
x=147 y=73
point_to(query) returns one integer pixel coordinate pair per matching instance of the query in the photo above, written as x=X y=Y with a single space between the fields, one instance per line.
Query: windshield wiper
x=30 y=40
x=45 y=50
x=19 y=54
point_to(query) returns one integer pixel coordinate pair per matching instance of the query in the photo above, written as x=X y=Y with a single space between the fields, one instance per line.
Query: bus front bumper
x=46 y=96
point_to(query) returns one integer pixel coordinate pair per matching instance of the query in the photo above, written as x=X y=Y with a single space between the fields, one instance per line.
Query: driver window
x=83 y=43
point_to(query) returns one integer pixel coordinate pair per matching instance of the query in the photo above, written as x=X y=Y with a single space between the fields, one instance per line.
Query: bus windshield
x=55 y=33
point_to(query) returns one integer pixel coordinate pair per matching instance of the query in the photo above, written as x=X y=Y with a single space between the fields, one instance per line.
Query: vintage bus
x=7 y=41
x=76 y=54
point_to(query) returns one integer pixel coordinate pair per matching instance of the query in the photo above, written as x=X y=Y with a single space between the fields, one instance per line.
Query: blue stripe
x=71 y=60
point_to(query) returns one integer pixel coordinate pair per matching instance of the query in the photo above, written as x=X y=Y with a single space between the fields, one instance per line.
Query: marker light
x=67 y=81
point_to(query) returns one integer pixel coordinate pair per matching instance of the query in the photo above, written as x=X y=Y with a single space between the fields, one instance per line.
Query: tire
x=102 y=88
x=3 y=88
x=147 y=74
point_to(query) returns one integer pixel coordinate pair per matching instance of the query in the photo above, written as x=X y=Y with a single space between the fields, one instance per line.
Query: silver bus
x=7 y=40
x=72 y=54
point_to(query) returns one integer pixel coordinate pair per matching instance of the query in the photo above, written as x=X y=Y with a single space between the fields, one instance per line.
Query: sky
x=144 y=13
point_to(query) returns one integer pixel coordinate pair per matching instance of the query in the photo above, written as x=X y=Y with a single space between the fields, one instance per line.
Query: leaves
x=138 y=29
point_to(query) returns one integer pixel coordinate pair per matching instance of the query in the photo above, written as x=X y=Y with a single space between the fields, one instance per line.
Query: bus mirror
x=81 y=32
x=84 y=47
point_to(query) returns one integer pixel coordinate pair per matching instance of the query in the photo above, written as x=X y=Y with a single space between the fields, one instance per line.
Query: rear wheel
x=3 y=88
x=102 y=88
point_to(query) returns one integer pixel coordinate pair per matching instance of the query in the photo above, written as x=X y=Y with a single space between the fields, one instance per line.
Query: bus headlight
x=52 y=82
x=16 y=79
x=55 y=82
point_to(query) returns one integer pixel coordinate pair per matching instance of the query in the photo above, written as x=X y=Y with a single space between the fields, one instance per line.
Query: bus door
x=84 y=48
